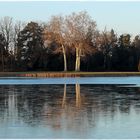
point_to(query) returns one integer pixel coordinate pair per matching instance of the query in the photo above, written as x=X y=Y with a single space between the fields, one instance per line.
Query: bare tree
x=18 y=26
x=106 y=41
x=55 y=31
x=78 y=26
x=2 y=50
x=6 y=28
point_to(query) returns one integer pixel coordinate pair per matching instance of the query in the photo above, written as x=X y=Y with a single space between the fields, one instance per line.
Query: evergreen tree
x=30 y=46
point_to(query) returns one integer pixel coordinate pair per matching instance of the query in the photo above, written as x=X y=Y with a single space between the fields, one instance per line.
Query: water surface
x=133 y=80
x=69 y=111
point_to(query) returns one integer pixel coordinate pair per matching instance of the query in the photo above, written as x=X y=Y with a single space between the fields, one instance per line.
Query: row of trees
x=70 y=42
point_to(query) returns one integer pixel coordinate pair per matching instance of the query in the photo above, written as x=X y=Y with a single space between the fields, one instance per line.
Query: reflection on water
x=69 y=111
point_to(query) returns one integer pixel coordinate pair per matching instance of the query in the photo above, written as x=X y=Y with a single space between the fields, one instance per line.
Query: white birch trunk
x=77 y=56
x=65 y=59
x=79 y=61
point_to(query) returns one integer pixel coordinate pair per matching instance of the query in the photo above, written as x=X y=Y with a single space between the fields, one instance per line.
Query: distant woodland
x=66 y=43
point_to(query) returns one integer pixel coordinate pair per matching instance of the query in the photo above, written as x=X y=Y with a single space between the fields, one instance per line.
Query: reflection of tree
x=22 y=103
x=8 y=106
x=12 y=105
x=70 y=107
x=2 y=102
x=78 y=96
x=67 y=112
x=31 y=101
x=64 y=96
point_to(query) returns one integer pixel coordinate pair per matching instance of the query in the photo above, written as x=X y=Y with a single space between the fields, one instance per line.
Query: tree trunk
x=76 y=60
x=2 y=59
x=65 y=59
x=77 y=63
x=139 y=66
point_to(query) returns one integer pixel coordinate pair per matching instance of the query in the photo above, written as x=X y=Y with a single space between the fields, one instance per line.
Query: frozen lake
x=89 y=108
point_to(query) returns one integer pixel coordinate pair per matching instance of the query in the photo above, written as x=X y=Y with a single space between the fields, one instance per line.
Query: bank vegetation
x=66 y=43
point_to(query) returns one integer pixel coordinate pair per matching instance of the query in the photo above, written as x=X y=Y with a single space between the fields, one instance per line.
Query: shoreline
x=68 y=74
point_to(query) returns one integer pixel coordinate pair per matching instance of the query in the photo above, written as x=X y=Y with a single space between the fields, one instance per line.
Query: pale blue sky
x=124 y=17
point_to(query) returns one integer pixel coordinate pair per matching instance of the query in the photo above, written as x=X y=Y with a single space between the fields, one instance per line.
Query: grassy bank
x=66 y=74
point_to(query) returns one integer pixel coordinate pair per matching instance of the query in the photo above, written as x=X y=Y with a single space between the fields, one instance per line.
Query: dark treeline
x=65 y=43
